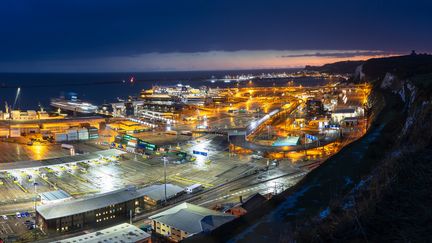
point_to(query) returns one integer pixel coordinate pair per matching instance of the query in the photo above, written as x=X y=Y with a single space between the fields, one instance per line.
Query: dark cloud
x=342 y=54
x=81 y=29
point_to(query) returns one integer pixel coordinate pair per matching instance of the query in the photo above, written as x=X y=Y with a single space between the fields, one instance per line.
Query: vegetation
x=394 y=204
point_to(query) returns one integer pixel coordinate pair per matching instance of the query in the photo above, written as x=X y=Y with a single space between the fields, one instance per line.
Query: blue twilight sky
x=155 y=35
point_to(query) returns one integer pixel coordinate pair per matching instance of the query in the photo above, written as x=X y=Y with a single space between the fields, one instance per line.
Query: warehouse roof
x=344 y=110
x=119 y=233
x=54 y=195
x=20 y=165
x=191 y=218
x=59 y=210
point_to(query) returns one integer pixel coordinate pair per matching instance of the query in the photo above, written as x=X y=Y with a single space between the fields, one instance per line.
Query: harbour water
x=98 y=88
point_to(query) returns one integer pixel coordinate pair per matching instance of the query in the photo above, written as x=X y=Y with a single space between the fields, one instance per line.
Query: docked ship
x=179 y=94
x=71 y=103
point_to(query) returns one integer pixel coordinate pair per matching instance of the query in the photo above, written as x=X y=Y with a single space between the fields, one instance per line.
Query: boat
x=73 y=104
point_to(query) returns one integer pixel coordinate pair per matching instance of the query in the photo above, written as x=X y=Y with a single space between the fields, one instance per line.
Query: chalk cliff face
x=417 y=127
x=386 y=204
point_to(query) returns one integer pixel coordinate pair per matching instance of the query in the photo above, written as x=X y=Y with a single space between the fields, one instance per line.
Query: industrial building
x=115 y=234
x=102 y=209
x=340 y=114
x=185 y=220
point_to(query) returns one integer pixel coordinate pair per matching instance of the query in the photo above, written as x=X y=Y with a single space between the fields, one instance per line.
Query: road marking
x=49 y=183
x=79 y=177
x=183 y=180
x=20 y=186
x=6 y=229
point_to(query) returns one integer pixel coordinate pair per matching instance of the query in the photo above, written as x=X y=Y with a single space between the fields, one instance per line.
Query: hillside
x=343 y=67
x=375 y=189
x=393 y=203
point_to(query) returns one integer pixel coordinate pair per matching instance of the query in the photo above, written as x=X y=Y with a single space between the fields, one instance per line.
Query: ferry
x=73 y=104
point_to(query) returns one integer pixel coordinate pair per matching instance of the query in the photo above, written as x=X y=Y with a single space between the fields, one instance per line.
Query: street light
x=165 y=160
x=35 y=192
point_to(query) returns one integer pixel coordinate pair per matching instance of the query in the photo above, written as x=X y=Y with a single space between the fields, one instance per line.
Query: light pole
x=35 y=192
x=165 y=179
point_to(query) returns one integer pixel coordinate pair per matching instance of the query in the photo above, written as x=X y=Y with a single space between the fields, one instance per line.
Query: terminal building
x=102 y=209
x=340 y=114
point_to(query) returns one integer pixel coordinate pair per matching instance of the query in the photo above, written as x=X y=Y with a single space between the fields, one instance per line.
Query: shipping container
x=60 y=137
x=83 y=136
x=15 y=132
x=82 y=130
x=4 y=132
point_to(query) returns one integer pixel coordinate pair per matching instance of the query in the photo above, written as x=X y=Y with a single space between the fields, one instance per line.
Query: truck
x=67 y=146
x=193 y=188
x=186 y=133
x=256 y=156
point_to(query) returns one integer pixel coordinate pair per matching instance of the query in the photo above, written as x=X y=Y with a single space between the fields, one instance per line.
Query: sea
x=33 y=90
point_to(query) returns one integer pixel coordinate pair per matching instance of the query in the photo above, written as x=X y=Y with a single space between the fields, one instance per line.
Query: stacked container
x=93 y=133
x=15 y=132
x=60 y=137
x=72 y=135
x=83 y=134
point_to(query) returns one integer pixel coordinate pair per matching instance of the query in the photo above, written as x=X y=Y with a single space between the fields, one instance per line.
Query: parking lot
x=82 y=179
x=12 y=225
x=12 y=152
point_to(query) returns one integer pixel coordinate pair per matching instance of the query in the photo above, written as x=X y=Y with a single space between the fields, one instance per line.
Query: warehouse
x=340 y=114
x=185 y=220
x=115 y=234
x=102 y=209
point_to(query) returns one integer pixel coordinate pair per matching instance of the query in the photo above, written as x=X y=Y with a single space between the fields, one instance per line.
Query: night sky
x=144 y=35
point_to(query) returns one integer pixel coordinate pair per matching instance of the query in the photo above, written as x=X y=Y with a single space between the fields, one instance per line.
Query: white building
x=341 y=113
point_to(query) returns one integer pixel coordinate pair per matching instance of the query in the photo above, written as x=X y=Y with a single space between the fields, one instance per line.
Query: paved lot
x=15 y=226
x=104 y=176
x=5 y=229
x=12 y=152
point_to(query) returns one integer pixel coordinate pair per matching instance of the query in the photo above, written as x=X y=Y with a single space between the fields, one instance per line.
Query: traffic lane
x=256 y=181
x=274 y=186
